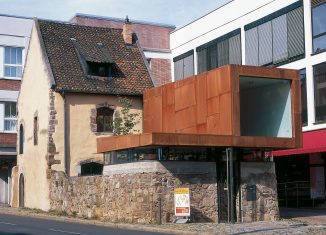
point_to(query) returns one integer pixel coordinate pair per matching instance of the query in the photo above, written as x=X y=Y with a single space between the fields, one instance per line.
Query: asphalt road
x=21 y=225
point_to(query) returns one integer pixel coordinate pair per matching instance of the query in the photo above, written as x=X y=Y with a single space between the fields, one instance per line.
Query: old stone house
x=69 y=95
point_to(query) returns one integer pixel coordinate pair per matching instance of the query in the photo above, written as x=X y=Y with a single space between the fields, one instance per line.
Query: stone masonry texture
x=265 y=207
x=130 y=193
x=133 y=197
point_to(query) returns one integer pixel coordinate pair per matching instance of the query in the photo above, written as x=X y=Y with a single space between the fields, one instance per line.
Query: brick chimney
x=127 y=31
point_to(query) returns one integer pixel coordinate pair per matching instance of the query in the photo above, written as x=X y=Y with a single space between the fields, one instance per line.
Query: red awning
x=313 y=142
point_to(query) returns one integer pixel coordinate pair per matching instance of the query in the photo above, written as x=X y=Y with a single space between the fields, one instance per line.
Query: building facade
x=69 y=95
x=154 y=38
x=14 y=40
x=285 y=34
x=205 y=143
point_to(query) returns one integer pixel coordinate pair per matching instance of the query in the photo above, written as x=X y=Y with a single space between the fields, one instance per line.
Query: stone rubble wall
x=130 y=192
x=265 y=207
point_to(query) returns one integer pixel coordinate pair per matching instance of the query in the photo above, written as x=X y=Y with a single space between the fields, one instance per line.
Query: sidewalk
x=277 y=227
x=311 y=216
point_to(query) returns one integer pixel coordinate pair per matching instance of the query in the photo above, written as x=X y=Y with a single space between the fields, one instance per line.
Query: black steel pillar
x=230 y=184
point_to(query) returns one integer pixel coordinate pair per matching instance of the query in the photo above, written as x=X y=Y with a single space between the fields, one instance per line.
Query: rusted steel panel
x=179 y=139
x=201 y=97
x=206 y=109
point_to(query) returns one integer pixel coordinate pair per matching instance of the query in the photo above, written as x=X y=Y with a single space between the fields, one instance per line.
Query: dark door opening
x=21 y=191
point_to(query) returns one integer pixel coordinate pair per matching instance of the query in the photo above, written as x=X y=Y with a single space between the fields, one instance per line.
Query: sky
x=174 y=12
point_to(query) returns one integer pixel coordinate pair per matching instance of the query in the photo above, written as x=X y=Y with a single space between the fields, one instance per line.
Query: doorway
x=4 y=186
x=21 y=191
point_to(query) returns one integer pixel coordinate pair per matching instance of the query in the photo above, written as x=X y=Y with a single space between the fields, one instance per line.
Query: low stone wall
x=130 y=192
x=262 y=176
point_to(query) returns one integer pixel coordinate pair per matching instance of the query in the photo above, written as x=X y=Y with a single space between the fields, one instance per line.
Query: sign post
x=182 y=204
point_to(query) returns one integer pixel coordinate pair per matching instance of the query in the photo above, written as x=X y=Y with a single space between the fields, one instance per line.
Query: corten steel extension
x=204 y=110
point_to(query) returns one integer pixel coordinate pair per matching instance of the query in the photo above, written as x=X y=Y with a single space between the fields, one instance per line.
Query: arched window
x=21 y=139
x=104 y=119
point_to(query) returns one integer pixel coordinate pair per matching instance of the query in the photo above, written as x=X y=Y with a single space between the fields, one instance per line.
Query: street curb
x=134 y=227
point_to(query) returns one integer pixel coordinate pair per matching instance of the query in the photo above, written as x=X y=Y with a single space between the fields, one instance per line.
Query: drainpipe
x=65 y=136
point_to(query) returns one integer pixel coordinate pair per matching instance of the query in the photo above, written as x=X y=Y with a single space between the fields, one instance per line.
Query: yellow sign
x=181 y=191
x=181 y=202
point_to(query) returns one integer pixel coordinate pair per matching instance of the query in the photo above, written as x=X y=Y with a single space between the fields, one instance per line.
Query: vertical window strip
x=251 y=42
x=35 y=131
x=295 y=32
x=202 y=60
x=178 y=70
x=21 y=139
x=320 y=92
x=223 y=53
x=235 y=49
x=212 y=57
x=304 y=97
x=280 y=42
x=265 y=45
x=188 y=66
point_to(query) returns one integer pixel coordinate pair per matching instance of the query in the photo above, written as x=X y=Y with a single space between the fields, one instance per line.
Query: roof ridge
x=116 y=19
x=75 y=24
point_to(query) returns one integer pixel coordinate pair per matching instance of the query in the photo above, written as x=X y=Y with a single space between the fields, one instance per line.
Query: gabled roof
x=69 y=46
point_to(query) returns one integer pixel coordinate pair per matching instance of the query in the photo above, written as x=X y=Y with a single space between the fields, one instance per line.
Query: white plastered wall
x=237 y=14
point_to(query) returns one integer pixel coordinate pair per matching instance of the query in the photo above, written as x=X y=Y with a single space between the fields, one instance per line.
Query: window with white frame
x=13 y=65
x=8 y=116
x=318 y=25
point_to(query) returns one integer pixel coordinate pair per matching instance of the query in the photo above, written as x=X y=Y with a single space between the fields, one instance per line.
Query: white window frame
x=13 y=65
x=3 y=119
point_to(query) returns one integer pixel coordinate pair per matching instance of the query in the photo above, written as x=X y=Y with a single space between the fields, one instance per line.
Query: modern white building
x=276 y=33
x=14 y=39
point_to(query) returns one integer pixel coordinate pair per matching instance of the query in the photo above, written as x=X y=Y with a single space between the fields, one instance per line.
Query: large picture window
x=218 y=52
x=319 y=25
x=320 y=92
x=184 y=65
x=277 y=38
x=13 y=62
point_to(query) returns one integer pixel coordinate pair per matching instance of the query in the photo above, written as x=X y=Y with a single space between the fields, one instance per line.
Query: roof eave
x=45 y=55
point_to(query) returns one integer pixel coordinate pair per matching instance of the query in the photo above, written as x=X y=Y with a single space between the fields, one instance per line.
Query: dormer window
x=95 y=59
x=99 y=69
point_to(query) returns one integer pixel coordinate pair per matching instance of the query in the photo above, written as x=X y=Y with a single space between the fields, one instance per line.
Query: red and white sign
x=181 y=202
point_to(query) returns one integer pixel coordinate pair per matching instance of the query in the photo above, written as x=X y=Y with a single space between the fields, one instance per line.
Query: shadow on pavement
x=270 y=229
x=291 y=213
x=6 y=233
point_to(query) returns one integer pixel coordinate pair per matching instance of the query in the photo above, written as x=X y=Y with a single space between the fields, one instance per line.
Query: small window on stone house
x=104 y=119
x=91 y=168
x=35 y=129
x=99 y=69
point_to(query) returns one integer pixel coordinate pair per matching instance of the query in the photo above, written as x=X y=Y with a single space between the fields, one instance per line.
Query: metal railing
x=295 y=194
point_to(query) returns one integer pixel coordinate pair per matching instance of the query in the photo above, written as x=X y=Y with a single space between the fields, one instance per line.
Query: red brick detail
x=161 y=71
x=11 y=85
x=149 y=36
x=8 y=139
